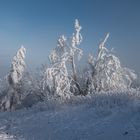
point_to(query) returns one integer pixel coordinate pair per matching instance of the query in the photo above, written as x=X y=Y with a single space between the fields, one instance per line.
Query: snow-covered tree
x=107 y=72
x=70 y=46
x=14 y=79
x=17 y=67
x=57 y=79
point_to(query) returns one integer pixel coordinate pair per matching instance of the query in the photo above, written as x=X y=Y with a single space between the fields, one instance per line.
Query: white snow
x=85 y=121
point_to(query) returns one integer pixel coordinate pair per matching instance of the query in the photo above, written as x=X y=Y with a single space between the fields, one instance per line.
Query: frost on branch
x=77 y=37
x=53 y=57
x=61 y=42
x=57 y=53
x=107 y=72
x=14 y=96
x=91 y=60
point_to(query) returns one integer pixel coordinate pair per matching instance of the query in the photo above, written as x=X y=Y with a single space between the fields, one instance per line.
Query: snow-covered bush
x=107 y=72
x=14 y=94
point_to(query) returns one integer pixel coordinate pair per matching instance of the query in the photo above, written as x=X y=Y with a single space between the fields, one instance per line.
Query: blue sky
x=36 y=24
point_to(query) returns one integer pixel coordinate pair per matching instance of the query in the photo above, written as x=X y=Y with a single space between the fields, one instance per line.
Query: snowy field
x=103 y=118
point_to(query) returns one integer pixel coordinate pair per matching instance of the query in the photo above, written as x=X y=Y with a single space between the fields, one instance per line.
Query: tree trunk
x=74 y=70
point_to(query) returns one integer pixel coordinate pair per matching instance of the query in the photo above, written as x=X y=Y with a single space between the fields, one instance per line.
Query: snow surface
x=72 y=122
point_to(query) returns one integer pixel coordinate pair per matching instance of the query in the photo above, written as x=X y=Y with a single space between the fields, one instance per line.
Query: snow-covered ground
x=72 y=122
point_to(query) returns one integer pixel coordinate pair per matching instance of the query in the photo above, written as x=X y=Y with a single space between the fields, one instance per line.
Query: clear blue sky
x=37 y=24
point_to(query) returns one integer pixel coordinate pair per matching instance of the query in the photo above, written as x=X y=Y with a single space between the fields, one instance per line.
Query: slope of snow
x=76 y=122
